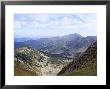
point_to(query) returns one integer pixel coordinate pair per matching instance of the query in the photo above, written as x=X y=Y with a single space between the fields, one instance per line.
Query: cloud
x=39 y=24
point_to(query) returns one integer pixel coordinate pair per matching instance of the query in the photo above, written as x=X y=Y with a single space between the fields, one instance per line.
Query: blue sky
x=49 y=25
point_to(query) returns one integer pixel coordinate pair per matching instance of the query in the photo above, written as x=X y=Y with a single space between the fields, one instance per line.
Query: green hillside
x=84 y=65
x=20 y=71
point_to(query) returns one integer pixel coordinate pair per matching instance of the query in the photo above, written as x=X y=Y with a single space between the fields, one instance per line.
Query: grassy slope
x=26 y=54
x=19 y=70
x=85 y=65
x=89 y=70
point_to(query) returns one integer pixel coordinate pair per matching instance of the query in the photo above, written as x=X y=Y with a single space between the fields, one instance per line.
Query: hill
x=30 y=62
x=84 y=65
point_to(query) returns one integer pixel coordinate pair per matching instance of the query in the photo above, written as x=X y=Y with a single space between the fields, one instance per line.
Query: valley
x=69 y=55
x=38 y=63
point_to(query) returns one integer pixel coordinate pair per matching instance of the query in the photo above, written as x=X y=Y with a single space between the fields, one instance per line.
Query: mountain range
x=69 y=55
x=67 y=46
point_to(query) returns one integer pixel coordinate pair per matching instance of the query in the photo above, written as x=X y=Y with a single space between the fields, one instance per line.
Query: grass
x=20 y=71
x=89 y=70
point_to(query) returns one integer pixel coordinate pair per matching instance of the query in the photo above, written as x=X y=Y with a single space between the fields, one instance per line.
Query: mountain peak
x=75 y=35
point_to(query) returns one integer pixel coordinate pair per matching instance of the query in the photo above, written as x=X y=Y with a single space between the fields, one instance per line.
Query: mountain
x=84 y=65
x=28 y=60
x=23 y=39
x=63 y=46
x=31 y=62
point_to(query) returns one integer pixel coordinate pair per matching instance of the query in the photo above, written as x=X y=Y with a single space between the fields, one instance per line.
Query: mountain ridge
x=88 y=59
x=65 y=46
x=32 y=62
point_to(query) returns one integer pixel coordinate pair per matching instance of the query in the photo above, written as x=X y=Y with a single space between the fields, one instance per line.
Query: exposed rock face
x=87 y=60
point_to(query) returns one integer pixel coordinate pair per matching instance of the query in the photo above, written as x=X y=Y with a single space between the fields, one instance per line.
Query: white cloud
x=46 y=24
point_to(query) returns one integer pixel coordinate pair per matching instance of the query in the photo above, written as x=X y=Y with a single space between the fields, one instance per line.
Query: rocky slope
x=30 y=62
x=84 y=65
x=29 y=59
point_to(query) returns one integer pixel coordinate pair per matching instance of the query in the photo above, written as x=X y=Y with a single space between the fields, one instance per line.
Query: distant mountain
x=64 y=46
x=23 y=39
x=84 y=65
x=72 y=36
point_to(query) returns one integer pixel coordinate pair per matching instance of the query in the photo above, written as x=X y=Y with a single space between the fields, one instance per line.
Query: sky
x=50 y=25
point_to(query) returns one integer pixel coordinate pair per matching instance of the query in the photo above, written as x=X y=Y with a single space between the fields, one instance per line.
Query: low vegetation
x=84 y=65
x=19 y=70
